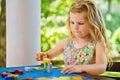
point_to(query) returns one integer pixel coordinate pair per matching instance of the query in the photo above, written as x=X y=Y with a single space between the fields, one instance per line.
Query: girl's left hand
x=72 y=69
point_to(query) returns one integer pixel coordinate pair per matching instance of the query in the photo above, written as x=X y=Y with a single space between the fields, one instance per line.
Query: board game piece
x=38 y=68
x=4 y=74
x=26 y=79
x=8 y=78
x=28 y=68
x=18 y=71
x=15 y=76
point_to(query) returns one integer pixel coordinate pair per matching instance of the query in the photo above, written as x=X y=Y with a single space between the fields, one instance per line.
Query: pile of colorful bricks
x=12 y=75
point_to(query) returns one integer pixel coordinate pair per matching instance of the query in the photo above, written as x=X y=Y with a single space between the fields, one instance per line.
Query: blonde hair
x=96 y=24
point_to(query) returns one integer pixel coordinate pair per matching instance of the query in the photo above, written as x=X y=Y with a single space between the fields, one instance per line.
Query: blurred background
x=54 y=15
x=2 y=33
x=53 y=23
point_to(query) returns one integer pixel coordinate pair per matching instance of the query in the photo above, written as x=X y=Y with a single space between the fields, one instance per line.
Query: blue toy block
x=9 y=78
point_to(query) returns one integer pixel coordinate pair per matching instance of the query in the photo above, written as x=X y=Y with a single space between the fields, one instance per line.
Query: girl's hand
x=40 y=56
x=72 y=69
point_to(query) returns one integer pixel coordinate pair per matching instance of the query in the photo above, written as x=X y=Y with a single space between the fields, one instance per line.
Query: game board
x=38 y=73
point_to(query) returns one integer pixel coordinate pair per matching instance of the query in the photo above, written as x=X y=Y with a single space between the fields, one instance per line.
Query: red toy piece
x=26 y=79
x=18 y=71
x=4 y=74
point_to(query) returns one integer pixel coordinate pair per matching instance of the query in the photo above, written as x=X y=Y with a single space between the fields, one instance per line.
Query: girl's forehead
x=78 y=16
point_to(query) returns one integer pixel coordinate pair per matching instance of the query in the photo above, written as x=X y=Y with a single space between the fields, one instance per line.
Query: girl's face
x=79 y=24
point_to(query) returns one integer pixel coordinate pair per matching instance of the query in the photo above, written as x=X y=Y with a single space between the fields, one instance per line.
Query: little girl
x=86 y=50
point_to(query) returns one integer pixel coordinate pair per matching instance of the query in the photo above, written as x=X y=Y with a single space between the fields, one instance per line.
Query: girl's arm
x=94 y=69
x=100 y=63
x=58 y=49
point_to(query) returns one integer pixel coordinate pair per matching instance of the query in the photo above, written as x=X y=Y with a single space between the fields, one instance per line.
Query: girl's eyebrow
x=78 y=21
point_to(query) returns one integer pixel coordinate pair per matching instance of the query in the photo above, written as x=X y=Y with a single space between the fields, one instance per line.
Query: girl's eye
x=72 y=22
x=80 y=23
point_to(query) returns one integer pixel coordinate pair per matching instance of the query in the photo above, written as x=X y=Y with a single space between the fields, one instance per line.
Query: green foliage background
x=54 y=15
x=53 y=22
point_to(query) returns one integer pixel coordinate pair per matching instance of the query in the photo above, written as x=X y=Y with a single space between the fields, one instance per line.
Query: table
x=41 y=74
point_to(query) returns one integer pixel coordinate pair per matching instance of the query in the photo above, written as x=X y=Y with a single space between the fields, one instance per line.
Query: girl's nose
x=76 y=26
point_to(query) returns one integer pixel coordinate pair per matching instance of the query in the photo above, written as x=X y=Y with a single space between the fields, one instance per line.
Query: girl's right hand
x=40 y=56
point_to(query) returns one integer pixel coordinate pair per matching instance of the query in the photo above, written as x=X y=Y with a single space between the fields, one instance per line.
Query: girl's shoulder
x=100 y=46
x=99 y=43
x=65 y=42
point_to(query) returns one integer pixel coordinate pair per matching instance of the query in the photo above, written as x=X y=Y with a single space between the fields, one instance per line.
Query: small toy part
x=8 y=78
x=15 y=76
x=38 y=68
x=28 y=68
x=4 y=74
x=18 y=71
x=46 y=61
x=26 y=79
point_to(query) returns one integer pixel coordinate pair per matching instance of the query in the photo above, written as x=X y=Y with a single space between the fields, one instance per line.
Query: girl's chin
x=78 y=36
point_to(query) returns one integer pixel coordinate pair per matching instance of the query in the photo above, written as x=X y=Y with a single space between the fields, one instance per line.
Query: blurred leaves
x=116 y=40
x=55 y=7
x=53 y=22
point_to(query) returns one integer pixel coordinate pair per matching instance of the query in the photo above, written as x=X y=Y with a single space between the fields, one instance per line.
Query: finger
x=38 y=56
x=75 y=70
x=38 y=59
x=70 y=70
x=42 y=56
x=66 y=69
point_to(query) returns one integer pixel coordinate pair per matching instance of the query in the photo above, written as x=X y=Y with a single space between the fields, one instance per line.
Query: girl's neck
x=83 y=39
x=81 y=42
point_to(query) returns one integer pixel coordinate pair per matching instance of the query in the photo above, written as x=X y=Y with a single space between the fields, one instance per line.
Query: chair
x=115 y=67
